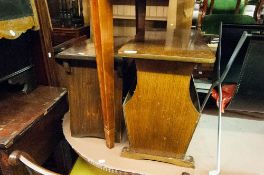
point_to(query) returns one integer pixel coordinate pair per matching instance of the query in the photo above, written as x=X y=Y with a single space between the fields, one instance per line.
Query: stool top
x=85 y=50
x=170 y=45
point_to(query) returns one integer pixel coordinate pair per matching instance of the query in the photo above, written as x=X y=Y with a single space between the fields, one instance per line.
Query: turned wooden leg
x=101 y=13
x=140 y=19
x=160 y=116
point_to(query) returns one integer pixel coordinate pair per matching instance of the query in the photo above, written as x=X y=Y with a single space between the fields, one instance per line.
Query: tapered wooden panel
x=102 y=22
x=84 y=91
x=161 y=111
x=85 y=102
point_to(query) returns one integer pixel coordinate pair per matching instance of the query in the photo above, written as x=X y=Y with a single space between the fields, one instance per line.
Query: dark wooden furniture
x=31 y=123
x=84 y=95
x=161 y=115
x=44 y=64
x=60 y=35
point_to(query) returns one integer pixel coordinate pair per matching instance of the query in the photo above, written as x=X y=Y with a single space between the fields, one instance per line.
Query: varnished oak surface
x=160 y=116
x=178 y=45
x=85 y=50
x=18 y=112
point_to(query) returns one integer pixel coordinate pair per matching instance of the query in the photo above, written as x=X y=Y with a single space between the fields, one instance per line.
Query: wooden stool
x=84 y=94
x=160 y=115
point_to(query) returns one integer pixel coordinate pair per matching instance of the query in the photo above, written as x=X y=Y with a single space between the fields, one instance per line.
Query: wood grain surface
x=46 y=42
x=84 y=49
x=179 y=45
x=85 y=101
x=102 y=22
x=18 y=111
x=31 y=123
x=84 y=91
x=60 y=35
x=160 y=116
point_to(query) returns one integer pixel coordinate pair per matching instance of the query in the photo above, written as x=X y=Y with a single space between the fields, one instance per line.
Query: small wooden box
x=84 y=92
x=60 y=35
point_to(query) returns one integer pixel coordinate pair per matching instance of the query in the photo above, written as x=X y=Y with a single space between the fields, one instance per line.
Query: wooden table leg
x=140 y=19
x=160 y=116
x=102 y=18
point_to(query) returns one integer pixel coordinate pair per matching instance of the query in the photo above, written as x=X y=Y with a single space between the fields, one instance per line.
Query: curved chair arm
x=17 y=157
x=258 y=10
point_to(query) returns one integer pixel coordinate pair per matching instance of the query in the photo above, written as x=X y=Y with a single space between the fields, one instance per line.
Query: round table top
x=242 y=149
x=94 y=151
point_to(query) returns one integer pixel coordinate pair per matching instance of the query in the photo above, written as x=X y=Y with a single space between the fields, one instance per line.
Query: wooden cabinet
x=31 y=123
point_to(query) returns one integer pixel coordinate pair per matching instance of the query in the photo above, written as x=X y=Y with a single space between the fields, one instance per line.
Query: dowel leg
x=102 y=22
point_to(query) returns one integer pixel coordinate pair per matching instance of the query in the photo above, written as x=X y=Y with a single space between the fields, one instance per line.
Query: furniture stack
x=160 y=121
x=30 y=113
x=162 y=109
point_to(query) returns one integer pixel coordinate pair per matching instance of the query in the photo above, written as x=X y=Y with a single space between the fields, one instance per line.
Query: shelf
x=153 y=13
x=148 y=18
